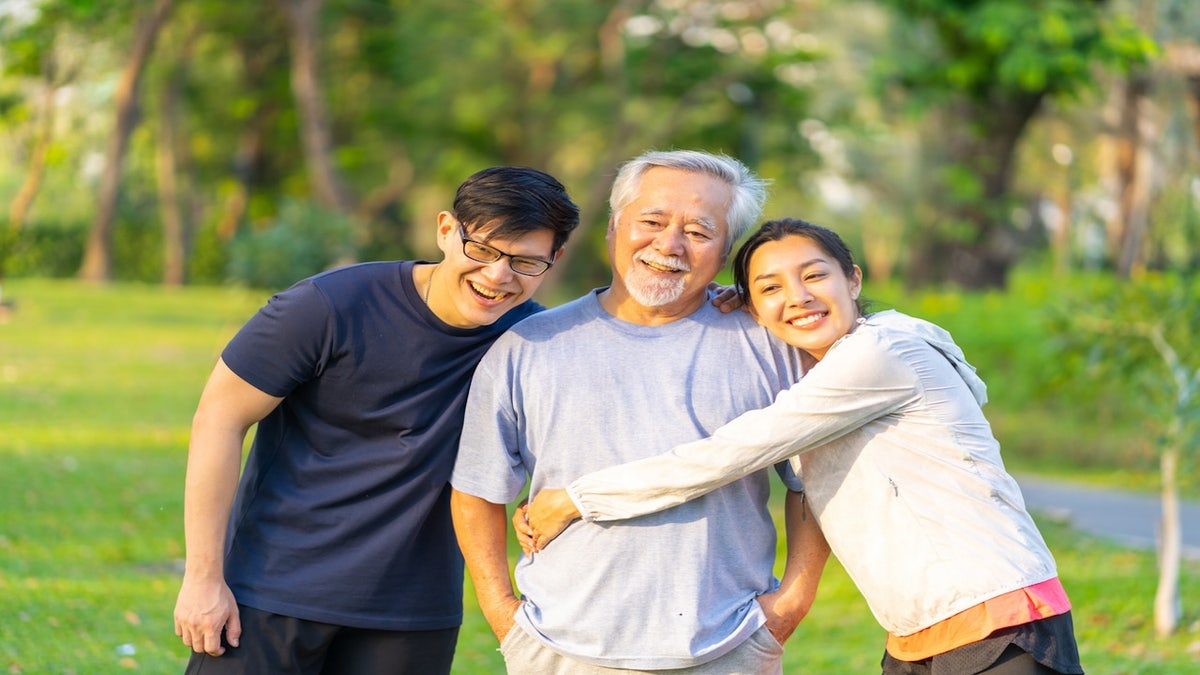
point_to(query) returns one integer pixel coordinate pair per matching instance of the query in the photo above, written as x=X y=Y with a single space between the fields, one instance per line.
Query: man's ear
x=446 y=223
x=447 y=226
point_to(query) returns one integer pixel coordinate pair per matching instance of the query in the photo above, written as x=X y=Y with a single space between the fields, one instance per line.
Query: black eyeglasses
x=481 y=252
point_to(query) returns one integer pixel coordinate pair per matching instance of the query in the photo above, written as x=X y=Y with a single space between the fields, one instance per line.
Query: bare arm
x=228 y=407
x=482 y=530
x=807 y=552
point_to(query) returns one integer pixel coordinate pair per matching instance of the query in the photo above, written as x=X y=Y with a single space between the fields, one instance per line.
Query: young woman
x=899 y=466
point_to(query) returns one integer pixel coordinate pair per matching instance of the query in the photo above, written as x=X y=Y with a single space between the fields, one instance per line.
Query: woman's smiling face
x=800 y=293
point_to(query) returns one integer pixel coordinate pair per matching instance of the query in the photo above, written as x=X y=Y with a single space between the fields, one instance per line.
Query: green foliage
x=302 y=241
x=209 y=258
x=1045 y=411
x=48 y=249
x=138 y=244
x=1140 y=333
x=984 y=46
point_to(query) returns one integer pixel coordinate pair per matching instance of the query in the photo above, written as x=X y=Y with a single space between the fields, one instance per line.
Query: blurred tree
x=576 y=88
x=172 y=156
x=983 y=69
x=41 y=50
x=246 y=130
x=1153 y=165
x=97 y=260
x=1140 y=334
x=303 y=21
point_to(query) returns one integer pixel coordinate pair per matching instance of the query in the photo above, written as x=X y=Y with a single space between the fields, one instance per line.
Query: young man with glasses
x=335 y=552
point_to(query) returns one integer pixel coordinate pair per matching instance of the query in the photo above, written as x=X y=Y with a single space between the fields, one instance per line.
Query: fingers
x=202 y=632
x=523 y=530
x=233 y=630
x=211 y=643
x=726 y=298
x=207 y=640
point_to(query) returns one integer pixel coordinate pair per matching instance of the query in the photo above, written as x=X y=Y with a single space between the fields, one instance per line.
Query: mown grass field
x=97 y=388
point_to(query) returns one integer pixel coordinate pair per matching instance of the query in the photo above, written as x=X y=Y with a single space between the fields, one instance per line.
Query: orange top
x=1014 y=608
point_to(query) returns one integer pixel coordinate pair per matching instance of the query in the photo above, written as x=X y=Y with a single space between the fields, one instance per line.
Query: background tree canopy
x=948 y=140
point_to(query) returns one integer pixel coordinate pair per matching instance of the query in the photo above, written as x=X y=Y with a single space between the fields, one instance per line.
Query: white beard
x=651 y=290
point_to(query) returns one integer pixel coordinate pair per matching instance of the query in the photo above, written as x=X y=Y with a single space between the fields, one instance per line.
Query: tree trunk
x=250 y=165
x=97 y=259
x=303 y=21
x=18 y=210
x=168 y=162
x=1167 y=608
x=1129 y=226
x=976 y=246
x=23 y=201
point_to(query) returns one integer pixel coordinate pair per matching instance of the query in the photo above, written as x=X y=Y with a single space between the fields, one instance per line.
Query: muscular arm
x=228 y=407
x=482 y=530
x=807 y=553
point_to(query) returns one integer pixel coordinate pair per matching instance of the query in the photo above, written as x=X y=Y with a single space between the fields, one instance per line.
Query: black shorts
x=1042 y=646
x=280 y=645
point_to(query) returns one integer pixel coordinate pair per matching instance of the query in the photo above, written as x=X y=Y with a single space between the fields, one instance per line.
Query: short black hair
x=516 y=200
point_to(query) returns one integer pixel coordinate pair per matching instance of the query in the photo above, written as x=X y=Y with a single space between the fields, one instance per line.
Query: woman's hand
x=521 y=527
x=550 y=512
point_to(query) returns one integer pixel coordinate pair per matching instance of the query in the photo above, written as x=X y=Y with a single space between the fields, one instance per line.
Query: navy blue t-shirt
x=342 y=515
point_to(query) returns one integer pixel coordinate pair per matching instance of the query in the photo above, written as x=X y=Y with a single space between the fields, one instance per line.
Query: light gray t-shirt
x=574 y=389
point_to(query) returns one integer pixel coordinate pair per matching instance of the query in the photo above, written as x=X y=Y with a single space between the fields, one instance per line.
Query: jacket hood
x=938 y=338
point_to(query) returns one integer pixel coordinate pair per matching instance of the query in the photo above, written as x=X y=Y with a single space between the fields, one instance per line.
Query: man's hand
x=727 y=298
x=550 y=512
x=203 y=610
x=501 y=615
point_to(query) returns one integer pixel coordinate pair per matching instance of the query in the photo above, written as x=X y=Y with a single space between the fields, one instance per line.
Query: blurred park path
x=1127 y=517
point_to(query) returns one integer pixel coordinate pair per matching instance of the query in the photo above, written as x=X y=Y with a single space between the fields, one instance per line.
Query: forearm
x=214 y=463
x=807 y=553
x=228 y=408
x=663 y=481
x=482 y=530
x=818 y=409
x=751 y=442
x=205 y=608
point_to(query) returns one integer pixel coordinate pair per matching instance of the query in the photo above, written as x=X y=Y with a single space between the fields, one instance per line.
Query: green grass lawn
x=97 y=388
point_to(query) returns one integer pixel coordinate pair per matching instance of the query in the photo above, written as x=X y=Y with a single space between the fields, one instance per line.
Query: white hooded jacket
x=899 y=465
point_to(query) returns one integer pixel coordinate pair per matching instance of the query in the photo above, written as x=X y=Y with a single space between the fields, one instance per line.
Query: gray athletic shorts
x=525 y=655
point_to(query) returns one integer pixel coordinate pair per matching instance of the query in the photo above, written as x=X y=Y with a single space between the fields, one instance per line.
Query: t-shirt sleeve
x=286 y=343
x=855 y=384
x=489 y=463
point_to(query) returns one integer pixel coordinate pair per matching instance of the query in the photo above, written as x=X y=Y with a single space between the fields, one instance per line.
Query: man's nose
x=670 y=241
x=498 y=271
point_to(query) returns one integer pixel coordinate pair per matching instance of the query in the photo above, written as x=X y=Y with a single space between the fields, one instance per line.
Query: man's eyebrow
x=702 y=222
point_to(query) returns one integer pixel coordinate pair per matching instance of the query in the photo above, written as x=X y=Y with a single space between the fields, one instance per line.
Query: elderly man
x=608 y=378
